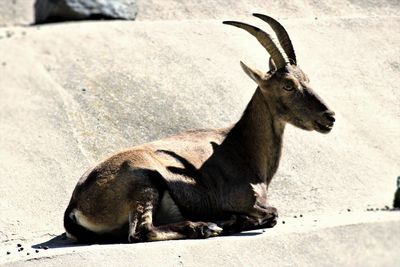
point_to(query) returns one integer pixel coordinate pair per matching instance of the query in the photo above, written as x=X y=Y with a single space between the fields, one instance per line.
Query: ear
x=272 y=66
x=255 y=75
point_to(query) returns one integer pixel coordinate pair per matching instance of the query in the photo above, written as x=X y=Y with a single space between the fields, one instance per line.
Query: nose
x=317 y=104
x=329 y=114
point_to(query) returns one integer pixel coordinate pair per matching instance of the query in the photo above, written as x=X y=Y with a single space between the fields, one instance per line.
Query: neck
x=258 y=136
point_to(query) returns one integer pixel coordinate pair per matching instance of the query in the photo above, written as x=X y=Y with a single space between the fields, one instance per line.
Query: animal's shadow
x=61 y=241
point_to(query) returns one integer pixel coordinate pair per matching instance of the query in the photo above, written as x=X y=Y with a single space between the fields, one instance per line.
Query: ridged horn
x=264 y=39
x=282 y=35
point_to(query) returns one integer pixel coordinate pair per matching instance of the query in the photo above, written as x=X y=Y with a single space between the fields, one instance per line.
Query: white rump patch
x=85 y=222
x=70 y=236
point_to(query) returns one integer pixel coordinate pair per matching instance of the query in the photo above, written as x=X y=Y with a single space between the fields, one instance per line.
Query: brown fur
x=182 y=186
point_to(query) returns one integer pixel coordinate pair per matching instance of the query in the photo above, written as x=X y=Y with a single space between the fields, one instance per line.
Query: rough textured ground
x=350 y=240
x=20 y=12
x=73 y=93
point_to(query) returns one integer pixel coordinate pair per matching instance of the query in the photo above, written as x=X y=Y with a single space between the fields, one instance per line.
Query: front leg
x=258 y=219
x=264 y=214
x=259 y=215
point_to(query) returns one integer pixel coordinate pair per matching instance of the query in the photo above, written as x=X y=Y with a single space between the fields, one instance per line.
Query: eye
x=288 y=87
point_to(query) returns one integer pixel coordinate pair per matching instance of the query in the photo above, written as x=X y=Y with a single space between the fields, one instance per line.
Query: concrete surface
x=16 y=12
x=221 y=9
x=352 y=239
x=73 y=93
x=21 y=12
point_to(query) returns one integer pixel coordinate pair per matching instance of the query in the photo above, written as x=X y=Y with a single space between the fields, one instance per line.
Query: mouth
x=323 y=128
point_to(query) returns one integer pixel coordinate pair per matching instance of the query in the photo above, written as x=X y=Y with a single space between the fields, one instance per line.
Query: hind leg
x=141 y=228
x=184 y=230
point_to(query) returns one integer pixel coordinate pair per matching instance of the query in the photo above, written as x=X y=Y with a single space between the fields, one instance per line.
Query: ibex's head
x=285 y=86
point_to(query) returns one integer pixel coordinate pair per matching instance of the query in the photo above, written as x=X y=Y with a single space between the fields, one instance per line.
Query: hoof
x=134 y=239
x=209 y=230
x=270 y=223
x=271 y=219
x=139 y=236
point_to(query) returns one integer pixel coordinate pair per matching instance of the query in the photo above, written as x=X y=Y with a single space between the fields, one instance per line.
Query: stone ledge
x=351 y=239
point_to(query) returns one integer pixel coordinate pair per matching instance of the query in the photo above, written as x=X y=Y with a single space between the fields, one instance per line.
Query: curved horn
x=264 y=39
x=282 y=35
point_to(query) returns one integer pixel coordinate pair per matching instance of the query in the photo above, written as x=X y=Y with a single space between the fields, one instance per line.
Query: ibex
x=202 y=183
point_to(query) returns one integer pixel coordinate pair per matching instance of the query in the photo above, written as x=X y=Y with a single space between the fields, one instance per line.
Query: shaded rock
x=63 y=10
x=396 y=201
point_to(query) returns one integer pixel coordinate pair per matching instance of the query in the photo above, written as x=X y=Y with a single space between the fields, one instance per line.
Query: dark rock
x=19 y=245
x=8 y=252
x=64 y=10
x=9 y=34
x=396 y=200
